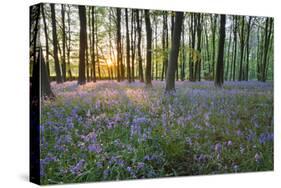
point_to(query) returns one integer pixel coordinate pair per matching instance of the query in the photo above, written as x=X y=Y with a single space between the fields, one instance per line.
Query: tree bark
x=82 y=45
x=97 y=47
x=220 y=62
x=248 y=48
x=133 y=44
x=139 y=46
x=69 y=44
x=214 y=29
x=63 y=42
x=235 y=46
x=55 y=45
x=46 y=40
x=155 y=47
x=127 y=47
x=228 y=56
x=173 y=58
x=183 y=54
x=165 y=45
x=268 y=31
x=45 y=83
x=148 y=49
x=198 y=62
x=241 y=50
x=93 y=45
x=118 y=46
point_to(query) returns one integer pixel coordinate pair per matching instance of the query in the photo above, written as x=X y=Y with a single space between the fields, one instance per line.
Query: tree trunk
x=69 y=44
x=119 y=55
x=228 y=56
x=220 y=62
x=63 y=42
x=127 y=47
x=93 y=45
x=258 y=55
x=183 y=54
x=82 y=45
x=241 y=50
x=45 y=83
x=55 y=45
x=193 y=25
x=155 y=47
x=268 y=31
x=173 y=58
x=139 y=46
x=235 y=46
x=46 y=41
x=198 y=62
x=247 y=48
x=207 y=50
x=148 y=49
x=133 y=44
x=214 y=29
x=164 y=46
x=97 y=47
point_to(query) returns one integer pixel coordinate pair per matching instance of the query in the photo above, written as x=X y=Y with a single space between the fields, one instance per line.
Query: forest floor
x=113 y=131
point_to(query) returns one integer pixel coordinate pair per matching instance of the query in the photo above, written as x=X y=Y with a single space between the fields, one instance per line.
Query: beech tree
x=127 y=47
x=63 y=43
x=220 y=61
x=118 y=43
x=82 y=44
x=148 y=49
x=172 y=64
x=55 y=45
x=139 y=26
x=118 y=47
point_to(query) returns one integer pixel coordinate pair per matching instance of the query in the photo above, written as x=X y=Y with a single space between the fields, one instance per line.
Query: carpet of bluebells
x=115 y=131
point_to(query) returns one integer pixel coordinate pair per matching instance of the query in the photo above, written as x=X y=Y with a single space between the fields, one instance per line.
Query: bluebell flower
x=229 y=143
x=218 y=148
x=106 y=173
x=99 y=164
x=95 y=148
x=264 y=137
x=140 y=165
x=78 y=167
x=129 y=169
x=42 y=169
x=146 y=158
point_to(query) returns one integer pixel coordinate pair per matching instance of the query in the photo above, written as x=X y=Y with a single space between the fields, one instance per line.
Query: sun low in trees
x=131 y=40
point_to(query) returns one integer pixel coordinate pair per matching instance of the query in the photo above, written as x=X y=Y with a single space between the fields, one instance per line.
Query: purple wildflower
x=99 y=164
x=106 y=173
x=140 y=165
x=264 y=137
x=218 y=148
x=229 y=143
x=78 y=167
x=95 y=148
x=146 y=158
